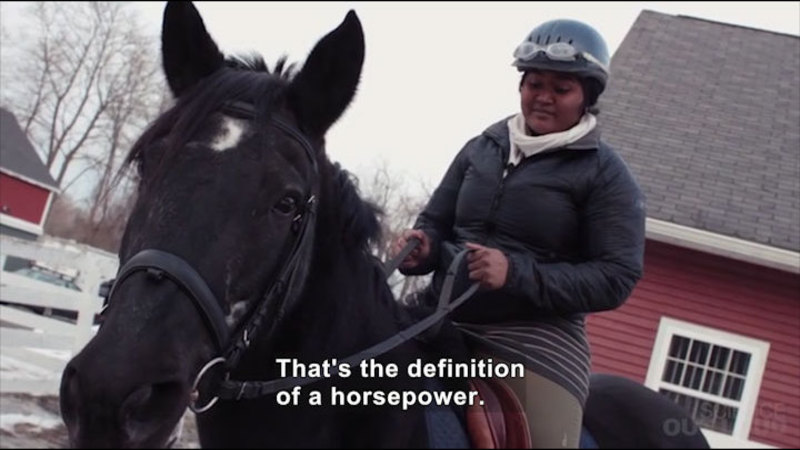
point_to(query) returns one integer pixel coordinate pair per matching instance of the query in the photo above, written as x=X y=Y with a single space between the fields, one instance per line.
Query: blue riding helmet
x=565 y=45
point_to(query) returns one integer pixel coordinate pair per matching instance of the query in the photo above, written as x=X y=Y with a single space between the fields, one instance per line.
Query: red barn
x=26 y=188
x=707 y=116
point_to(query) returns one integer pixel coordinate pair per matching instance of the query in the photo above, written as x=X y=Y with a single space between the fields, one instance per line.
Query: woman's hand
x=488 y=266
x=420 y=252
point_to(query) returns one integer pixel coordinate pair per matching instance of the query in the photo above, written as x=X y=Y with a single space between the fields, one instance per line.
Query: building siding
x=22 y=200
x=719 y=293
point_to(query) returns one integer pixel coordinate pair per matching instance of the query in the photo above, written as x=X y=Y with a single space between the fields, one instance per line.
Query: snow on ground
x=10 y=421
x=15 y=369
x=28 y=421
x=63 y=355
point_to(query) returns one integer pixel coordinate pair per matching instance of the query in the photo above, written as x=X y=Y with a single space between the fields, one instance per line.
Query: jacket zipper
x=489 y=225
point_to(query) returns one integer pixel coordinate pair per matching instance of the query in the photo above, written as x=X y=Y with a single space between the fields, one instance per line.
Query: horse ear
x=188 y=51
x=323 y=89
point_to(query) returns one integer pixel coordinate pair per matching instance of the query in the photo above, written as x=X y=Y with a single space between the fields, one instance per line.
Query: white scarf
x=523 y=145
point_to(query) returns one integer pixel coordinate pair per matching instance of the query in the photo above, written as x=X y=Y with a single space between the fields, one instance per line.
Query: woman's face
x=551 y=101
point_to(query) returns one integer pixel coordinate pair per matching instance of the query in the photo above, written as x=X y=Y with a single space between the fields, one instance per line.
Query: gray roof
x=707 y=116
x=18 y=155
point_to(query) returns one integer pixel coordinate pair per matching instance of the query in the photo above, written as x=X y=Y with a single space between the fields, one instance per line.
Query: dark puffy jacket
x=570 y=221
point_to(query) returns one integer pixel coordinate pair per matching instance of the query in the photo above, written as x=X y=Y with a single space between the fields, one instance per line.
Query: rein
x=279 y=298
x=252 y=389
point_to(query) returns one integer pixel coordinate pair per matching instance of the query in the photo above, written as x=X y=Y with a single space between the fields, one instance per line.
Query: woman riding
x=554 y=222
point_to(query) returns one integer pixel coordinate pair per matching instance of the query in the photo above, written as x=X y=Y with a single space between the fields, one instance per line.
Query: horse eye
x=287 y=205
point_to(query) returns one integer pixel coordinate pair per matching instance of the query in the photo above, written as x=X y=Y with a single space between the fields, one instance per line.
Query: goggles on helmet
x=557 y=51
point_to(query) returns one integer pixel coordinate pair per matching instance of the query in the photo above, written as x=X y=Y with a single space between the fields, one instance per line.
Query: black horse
x=247 y=246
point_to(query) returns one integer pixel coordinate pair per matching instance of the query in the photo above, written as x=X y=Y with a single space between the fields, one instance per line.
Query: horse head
x=219 y=237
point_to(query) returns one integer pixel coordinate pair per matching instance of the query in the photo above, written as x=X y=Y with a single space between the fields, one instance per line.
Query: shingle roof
x=707 y=115
x=18 y=155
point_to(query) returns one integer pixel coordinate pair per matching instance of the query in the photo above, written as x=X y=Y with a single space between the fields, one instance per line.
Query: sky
x=435 y=73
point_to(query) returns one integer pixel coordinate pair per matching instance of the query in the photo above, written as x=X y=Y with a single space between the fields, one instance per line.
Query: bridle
x=276 y=303
x=280 y=297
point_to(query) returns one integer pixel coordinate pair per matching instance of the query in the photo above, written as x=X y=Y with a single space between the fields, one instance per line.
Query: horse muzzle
x=143 y=415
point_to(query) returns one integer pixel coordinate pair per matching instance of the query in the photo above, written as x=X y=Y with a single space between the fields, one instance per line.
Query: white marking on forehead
x=237 y=312
x=230 y=133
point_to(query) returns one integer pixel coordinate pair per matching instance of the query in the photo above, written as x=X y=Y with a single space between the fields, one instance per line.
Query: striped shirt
x=555 y=348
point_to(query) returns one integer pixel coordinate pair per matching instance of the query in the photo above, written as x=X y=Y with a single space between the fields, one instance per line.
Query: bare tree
x=127 y=114
x=63 y=214
x=69 y=221
x=85 y=81
x=388 y=192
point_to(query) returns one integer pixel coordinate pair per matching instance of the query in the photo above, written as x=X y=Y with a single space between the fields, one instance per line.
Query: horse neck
x=347 y=305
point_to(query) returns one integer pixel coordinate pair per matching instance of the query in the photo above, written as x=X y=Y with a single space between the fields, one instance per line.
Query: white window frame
x=758 y=350
x=22 y=225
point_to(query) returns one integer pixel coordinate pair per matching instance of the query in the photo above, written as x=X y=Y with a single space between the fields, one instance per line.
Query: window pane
x=669 y=371
x=726 y=418
x=699 y=352
x=669 y=394
x=693 y=377
x=713 y=382
x=734 y=386
x=738 y=388
x=740 y=363
x=719 y=357
x=687 y=378
x=693 y=404
x=678 y=347
x=715 y=416
x=678 y=372
x=706 y=413
x=686 y=402
x=697 y=378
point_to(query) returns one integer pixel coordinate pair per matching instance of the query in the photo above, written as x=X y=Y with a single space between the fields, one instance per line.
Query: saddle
x=500 y=422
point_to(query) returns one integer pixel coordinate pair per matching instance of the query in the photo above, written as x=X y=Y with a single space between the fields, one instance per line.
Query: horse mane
x=255 y=63
x=351 y=225
x=355 y=218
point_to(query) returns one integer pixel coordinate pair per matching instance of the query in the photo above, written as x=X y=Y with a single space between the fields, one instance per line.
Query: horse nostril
x=147 y=401
x=149 y=411
x=137 y=401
